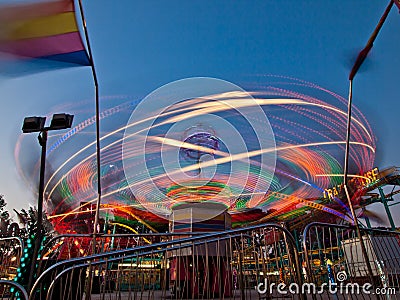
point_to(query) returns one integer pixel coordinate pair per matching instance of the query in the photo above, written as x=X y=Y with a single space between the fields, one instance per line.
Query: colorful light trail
x=308 y=125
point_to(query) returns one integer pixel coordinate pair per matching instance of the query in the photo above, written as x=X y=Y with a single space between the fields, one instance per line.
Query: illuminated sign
x=356 y=183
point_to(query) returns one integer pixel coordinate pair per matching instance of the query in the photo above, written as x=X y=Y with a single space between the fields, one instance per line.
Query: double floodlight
x=37 y=124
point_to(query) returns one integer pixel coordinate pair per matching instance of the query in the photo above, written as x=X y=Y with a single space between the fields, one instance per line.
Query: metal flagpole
x=346 y=165
x=360 y=59
x=96 y=84
x=98 y=161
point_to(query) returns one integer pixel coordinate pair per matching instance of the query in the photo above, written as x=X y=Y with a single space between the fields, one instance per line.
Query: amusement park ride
x=305 y=185
x=367 y=191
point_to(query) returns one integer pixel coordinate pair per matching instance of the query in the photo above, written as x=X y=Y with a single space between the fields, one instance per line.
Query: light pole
x=37 y=124
x=357 y=64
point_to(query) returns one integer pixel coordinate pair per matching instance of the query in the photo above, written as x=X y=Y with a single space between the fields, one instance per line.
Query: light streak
x=306 y=130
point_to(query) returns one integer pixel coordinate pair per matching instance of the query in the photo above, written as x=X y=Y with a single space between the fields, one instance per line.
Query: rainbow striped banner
x=43 y=30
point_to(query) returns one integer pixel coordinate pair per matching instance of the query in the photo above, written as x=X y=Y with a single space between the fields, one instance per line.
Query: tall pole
x=345 y=181
x=360 y=59
x=39 y=233
x=98 y=158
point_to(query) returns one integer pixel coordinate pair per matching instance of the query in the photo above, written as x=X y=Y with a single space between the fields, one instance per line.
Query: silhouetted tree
x=4 y=214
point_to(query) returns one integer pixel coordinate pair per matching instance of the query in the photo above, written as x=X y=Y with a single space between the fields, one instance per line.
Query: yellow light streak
x=131 y=229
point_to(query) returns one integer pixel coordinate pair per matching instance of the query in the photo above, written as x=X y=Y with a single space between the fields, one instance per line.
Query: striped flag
x=397 y=2
x=45 y=33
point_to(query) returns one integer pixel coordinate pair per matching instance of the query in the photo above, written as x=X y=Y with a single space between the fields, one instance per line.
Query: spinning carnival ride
x=268 y=160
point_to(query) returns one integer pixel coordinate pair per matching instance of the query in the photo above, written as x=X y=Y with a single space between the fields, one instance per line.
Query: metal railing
x=332 y=257
x=222 y=265
x=12 y=290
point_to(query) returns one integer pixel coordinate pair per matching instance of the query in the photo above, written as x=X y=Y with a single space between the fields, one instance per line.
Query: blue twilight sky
x=139 y=46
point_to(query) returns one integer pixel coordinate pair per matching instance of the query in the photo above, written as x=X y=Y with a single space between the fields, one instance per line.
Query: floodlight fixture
x=33 y=124
x=61 y=121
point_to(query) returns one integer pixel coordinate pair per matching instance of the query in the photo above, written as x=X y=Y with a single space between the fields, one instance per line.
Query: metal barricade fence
x=67 y=246
x=12 y=290
x=223 y=265
x=332 y=256
x=11 y=249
